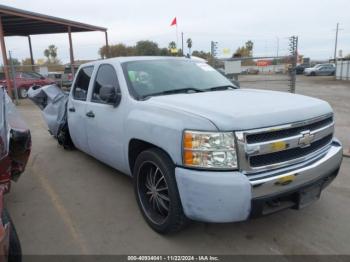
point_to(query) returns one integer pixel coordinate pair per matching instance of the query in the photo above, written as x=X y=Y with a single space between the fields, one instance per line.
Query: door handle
x=90 y=114
x=72 y=109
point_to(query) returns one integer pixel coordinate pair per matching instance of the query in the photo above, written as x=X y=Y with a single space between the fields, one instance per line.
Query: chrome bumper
x=272 y=183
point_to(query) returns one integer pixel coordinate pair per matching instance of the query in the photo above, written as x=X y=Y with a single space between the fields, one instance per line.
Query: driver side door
x=104 y=123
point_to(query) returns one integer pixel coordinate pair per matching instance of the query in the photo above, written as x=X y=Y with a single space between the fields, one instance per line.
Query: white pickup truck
x=196 y=146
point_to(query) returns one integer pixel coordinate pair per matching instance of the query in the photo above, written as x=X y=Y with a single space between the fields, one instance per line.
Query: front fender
x=163 y=128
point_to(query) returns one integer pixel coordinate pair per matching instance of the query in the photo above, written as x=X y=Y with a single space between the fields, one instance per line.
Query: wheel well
x=136 y=146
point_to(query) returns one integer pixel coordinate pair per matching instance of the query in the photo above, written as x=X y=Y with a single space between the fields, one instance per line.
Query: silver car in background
x=320 y=70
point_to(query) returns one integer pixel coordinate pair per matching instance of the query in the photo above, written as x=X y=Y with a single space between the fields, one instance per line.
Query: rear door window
x=82 y=82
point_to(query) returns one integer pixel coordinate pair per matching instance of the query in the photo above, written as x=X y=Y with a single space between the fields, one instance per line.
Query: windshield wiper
x=174 y=91
x=218 y=88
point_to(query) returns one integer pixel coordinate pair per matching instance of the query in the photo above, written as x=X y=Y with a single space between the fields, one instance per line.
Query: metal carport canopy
x=17 y=22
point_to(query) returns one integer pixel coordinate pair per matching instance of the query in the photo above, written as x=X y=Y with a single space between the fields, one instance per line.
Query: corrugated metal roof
x=17 y=22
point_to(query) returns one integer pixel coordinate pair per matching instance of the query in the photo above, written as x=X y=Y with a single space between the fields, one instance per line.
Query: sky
x=268 y=23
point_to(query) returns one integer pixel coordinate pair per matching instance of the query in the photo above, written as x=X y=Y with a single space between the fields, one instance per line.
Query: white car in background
x=320 y=70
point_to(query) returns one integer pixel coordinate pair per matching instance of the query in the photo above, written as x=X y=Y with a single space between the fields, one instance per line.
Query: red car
x=15 y=147
x=24 y=80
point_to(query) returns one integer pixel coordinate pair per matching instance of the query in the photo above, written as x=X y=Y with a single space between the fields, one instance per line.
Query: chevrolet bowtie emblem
x=306 y=139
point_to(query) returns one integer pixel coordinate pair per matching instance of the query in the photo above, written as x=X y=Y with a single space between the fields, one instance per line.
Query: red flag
x=174 y=22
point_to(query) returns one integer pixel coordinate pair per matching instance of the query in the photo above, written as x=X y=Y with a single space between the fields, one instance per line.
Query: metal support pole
x=71 y=50
x=31 y=52
x=13 y=72
x=4 y=58
x=107 y=45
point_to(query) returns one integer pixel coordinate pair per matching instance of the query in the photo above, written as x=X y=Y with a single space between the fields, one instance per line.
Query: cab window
x=82 y=82
x=106 y=76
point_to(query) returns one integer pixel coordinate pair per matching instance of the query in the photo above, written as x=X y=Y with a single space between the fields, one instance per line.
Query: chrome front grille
x=279 y=146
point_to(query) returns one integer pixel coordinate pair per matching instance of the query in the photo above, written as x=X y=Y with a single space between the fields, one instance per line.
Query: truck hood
x=242 y=109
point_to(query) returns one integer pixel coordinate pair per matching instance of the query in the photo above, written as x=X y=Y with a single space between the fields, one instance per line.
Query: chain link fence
x=273 y=73
x=263 y=72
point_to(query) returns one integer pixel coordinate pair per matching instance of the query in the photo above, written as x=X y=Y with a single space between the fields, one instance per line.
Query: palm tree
x=172 y=45
x=189 y=45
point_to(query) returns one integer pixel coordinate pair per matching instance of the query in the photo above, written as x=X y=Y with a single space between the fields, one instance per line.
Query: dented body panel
x=15 y=141
x=15 y=147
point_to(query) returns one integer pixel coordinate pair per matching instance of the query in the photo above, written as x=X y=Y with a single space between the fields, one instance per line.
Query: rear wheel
x=156 y=191
x=22 y=92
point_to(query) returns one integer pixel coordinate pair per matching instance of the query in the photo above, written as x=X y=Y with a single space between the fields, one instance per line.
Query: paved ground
x=69 y=203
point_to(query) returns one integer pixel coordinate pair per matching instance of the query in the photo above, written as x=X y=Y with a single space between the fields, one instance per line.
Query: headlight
x=209 y=150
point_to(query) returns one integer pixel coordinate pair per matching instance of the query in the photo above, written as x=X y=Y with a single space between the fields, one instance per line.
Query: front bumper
x=233 y=196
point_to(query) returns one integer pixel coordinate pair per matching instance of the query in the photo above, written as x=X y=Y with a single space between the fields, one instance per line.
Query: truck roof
x=123 y=59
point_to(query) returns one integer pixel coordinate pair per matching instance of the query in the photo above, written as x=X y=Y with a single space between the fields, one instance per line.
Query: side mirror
x=109 y=95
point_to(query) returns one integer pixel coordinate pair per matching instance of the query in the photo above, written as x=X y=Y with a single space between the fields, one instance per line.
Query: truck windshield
x=171 y=76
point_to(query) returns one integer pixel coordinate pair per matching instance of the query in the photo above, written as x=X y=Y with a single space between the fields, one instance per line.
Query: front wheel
x=156 y=191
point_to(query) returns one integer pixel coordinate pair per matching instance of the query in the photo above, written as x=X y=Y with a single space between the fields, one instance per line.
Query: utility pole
x=293 y=48
x=336 y=44
x=182 y=43
x=336 y=47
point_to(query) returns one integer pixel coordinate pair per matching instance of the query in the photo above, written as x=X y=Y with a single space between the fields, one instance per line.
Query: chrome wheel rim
x=153 y=192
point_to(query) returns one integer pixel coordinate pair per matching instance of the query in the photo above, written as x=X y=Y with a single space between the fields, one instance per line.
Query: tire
x=312 y=74
x=156 y=192
x=15 y=250
x=22 y=93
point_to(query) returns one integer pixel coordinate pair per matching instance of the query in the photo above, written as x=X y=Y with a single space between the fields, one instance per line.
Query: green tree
x=189 y=45
x=201 y=54
x=146 y=48
x=164 y=52
x=245 y=51
x=173 y=49
x=116 y=50
x=249 y=46
x=51 y=54
x=103 y=52
x=172 y=45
